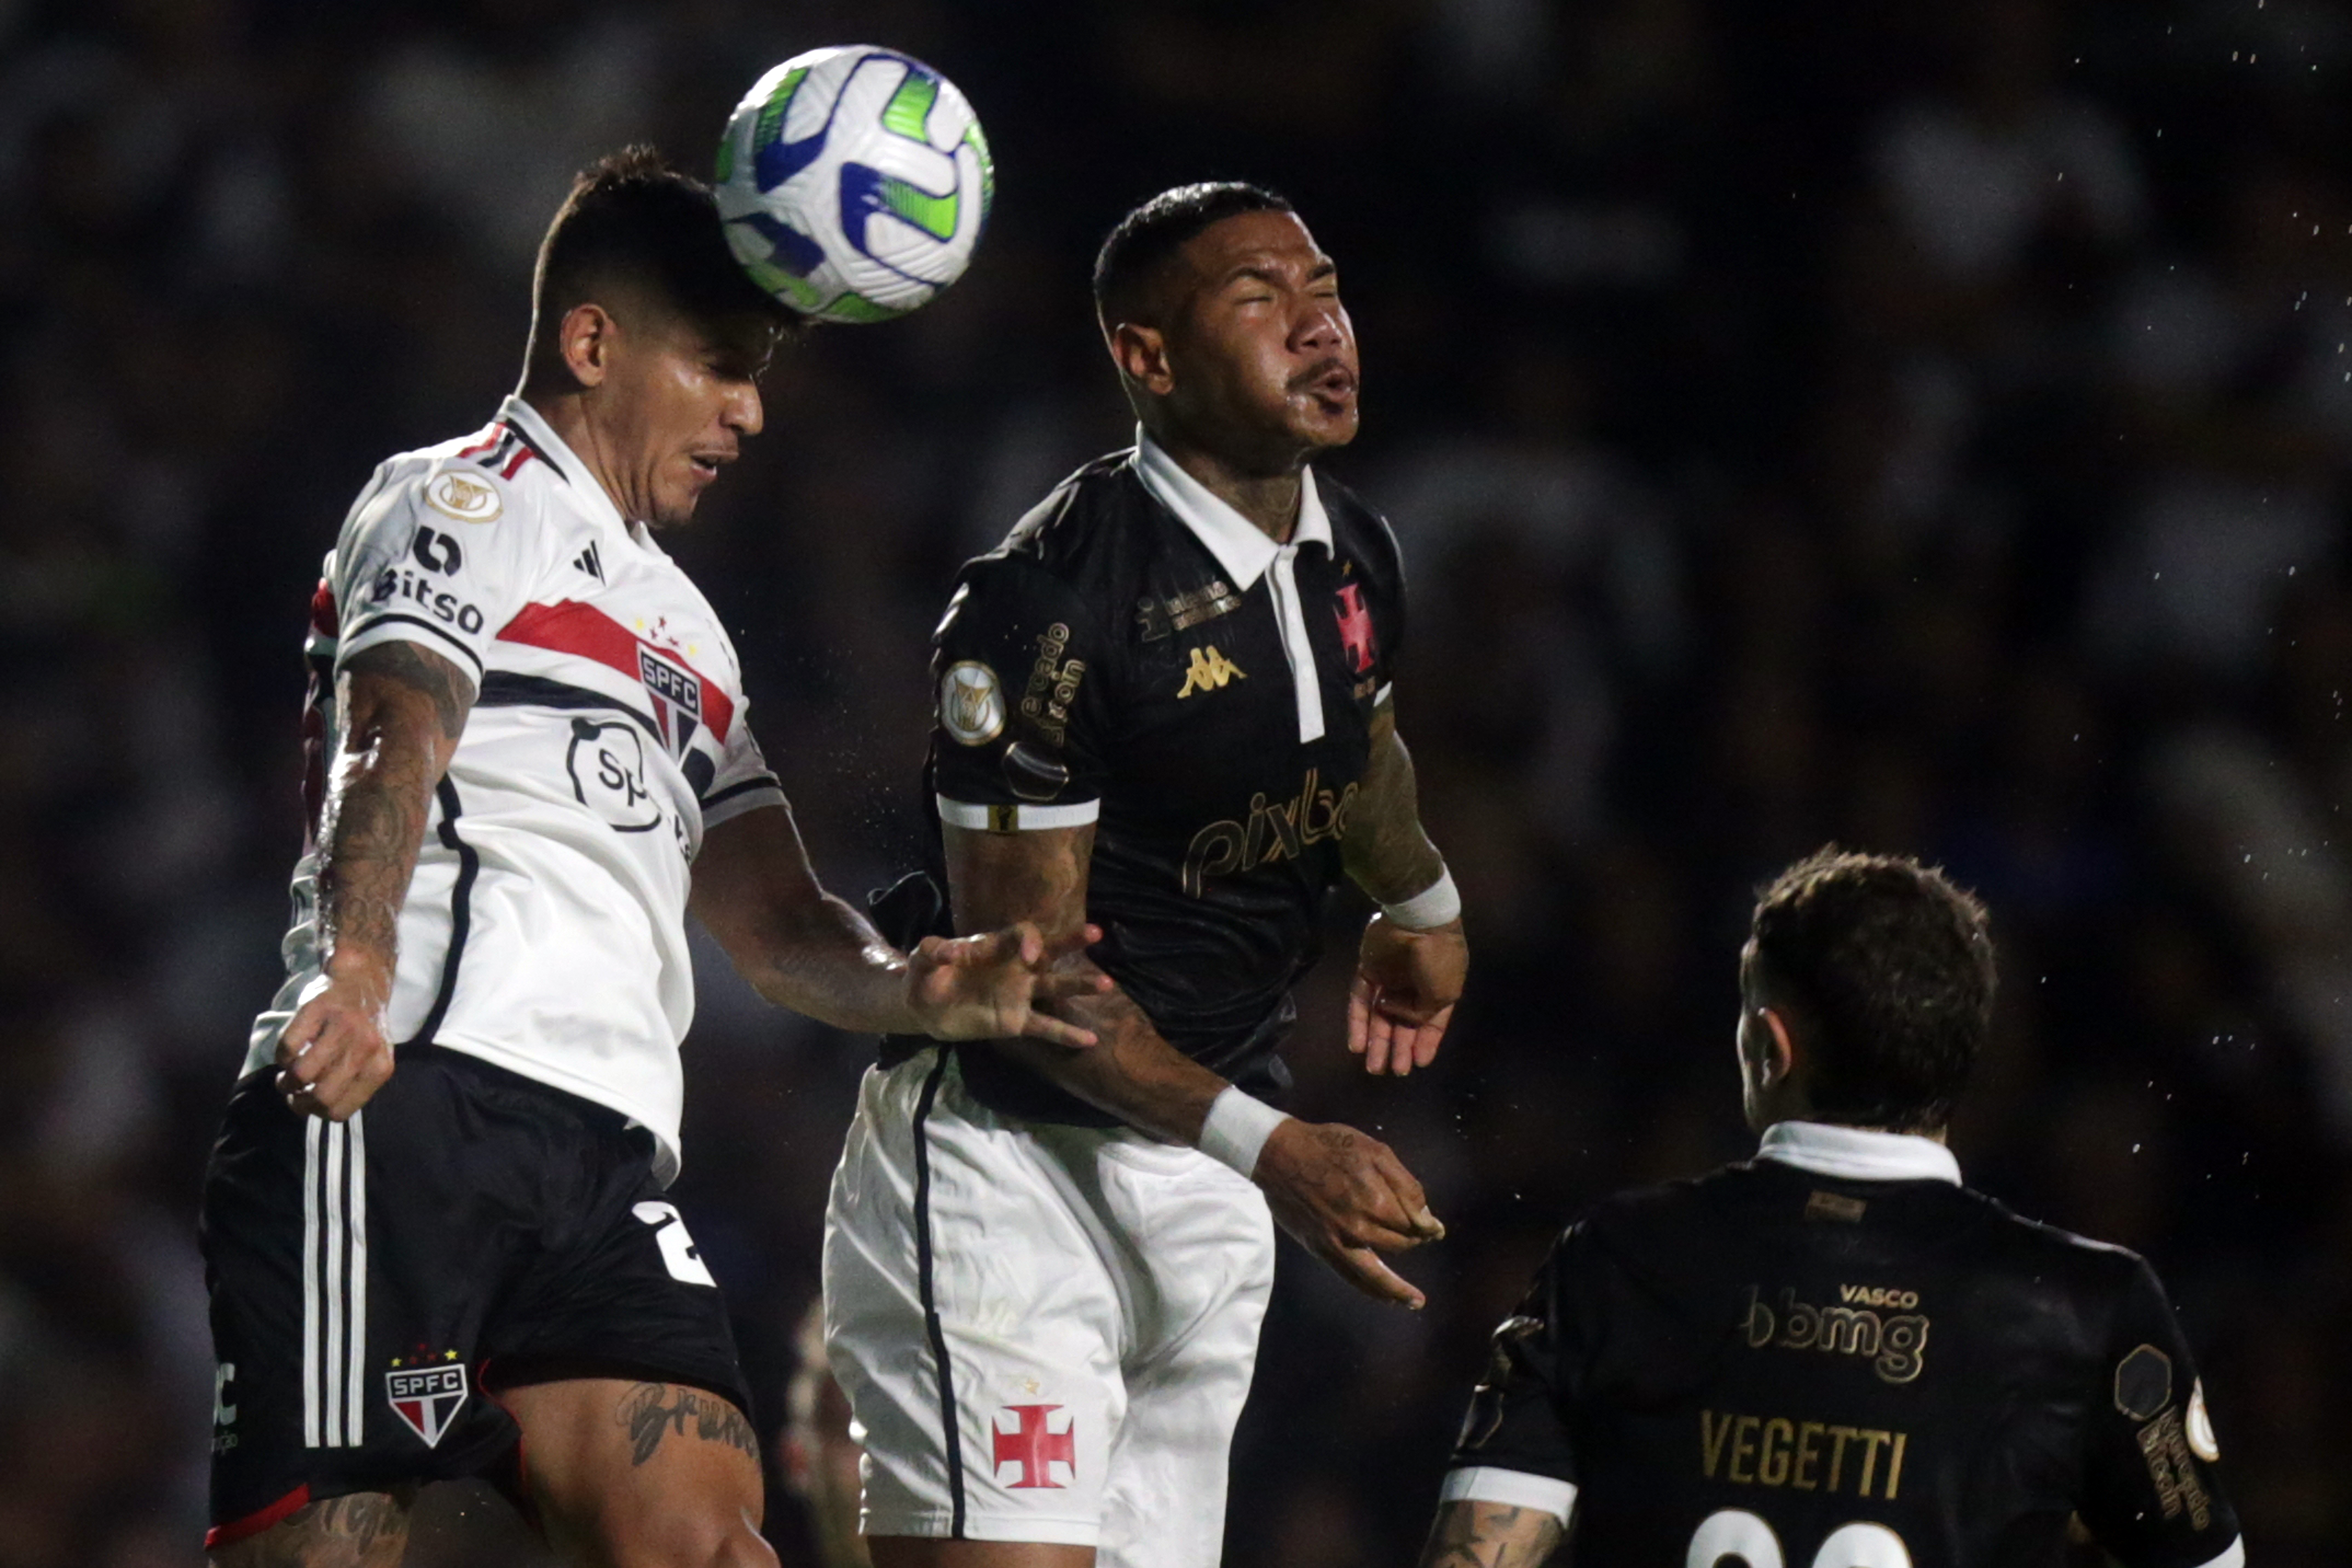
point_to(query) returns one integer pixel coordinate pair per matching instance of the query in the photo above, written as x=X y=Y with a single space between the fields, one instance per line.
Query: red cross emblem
x=1354 y=628
x=1033 y=1448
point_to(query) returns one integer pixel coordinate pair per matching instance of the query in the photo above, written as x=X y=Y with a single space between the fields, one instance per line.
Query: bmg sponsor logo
x=1894 y=1345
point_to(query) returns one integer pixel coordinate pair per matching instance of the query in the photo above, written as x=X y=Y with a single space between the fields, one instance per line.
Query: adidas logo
x=588 y=561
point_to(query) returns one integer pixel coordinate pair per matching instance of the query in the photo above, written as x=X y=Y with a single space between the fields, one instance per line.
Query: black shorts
x=375 y=1282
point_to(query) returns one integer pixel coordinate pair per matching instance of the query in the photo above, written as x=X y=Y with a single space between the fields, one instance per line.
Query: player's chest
x=620 y=619
x=1214 y=714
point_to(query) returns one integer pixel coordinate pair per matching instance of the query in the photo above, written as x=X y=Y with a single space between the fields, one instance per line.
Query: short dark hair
x=1888 y=969
x=1147 y=238
x=631 y=220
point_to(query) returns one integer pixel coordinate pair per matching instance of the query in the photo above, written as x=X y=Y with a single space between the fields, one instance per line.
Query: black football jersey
x=1770 y=1366
x=1105 y=664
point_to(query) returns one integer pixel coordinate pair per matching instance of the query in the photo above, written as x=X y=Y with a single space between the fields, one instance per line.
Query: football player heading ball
x=1835 y=1354
x=1164 y=705
x=530 y=750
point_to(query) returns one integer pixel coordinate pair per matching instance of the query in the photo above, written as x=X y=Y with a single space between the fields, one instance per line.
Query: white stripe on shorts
x=314 y=1130
x=334 y=1281
x=355 y=1379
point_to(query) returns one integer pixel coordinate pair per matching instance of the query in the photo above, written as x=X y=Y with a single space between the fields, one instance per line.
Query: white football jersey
x=545 y=926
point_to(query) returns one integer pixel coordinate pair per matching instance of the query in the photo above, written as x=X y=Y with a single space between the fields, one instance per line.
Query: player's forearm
x=826 y=960
x=1470 y=1534
x=1132 y=1072
x=403 y=722
x=996 y=879
x=1386 y=850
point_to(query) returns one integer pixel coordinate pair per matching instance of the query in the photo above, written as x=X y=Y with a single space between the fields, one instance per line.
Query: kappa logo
x=463 y=497
x=427 y=1399
x=1210 y=672
x=1034 y=1446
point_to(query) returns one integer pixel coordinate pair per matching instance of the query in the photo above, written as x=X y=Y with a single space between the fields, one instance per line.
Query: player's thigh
x=359 y=1529
x=1211 y=1273
x=971 y=1321
x=915 y=1551
x=642 y=1475
x=349 y=1267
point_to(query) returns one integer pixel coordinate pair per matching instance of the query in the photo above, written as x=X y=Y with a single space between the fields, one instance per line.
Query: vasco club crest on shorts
x=1034 y=1446
x=426 y=1398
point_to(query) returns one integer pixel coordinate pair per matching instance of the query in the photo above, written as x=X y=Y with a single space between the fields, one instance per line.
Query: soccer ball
x=855 y=183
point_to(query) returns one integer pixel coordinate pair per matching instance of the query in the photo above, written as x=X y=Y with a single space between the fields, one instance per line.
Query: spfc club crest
x=427 y=1397
x=677 y=692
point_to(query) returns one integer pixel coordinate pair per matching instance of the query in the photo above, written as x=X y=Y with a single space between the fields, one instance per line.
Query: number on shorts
x=1733 y=1534
x=679 y=1256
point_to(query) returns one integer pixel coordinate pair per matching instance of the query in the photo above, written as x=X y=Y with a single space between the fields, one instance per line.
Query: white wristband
x=1237 y=1128
x=1432 y=906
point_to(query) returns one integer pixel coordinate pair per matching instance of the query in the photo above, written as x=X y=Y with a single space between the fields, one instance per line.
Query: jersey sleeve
x=1019 y=687
x=1516 y=1444
x=2152 y=1488
x=442 y=558
x=743 y=780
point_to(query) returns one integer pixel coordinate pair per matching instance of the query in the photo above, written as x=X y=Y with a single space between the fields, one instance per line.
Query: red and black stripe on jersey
x=503 y=449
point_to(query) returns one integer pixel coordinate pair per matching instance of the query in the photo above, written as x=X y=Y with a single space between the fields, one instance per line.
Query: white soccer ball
x=855 y=183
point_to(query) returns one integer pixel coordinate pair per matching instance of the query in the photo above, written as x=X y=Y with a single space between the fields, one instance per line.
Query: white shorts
x=1094 y=1298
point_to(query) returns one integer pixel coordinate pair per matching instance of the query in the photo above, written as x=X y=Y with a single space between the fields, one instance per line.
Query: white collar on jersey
x=1857 y=1153
x=1241 y=547
x=534 y=426
x=1246 y=553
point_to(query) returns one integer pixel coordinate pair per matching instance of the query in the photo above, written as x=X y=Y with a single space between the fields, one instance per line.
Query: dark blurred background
x=1923 y=427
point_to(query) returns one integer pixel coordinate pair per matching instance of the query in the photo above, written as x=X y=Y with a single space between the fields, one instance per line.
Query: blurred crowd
x=1924 y=428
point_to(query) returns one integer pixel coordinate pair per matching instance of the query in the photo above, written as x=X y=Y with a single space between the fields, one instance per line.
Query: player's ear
x=1142 y=354
x=1779 y=1049
x=585 y=341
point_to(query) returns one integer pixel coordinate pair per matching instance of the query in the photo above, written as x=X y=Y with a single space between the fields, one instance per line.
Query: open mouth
x=707 y=464
x=1330 y=381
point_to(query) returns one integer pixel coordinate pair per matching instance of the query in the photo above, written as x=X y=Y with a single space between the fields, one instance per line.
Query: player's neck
x=567 y=414
x=1269 y=501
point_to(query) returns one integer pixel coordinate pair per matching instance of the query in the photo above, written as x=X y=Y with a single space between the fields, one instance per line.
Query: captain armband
x=1434 y=906
x=1237 y=1129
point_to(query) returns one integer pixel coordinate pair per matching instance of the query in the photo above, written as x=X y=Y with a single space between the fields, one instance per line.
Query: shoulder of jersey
x=1355 y=522
x=1651 y=1216
x=1081 y=526
x=477 y=481
x=2038 y=1244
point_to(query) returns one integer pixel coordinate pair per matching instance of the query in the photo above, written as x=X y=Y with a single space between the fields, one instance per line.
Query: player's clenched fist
x=1347 y=1198
x=333 y=1054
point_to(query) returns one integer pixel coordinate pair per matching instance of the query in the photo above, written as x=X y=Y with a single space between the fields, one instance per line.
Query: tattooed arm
x=1470 y=1534
x=1407 y=981
x=402 y=709
x=358 y=1530
x=1344 y=1196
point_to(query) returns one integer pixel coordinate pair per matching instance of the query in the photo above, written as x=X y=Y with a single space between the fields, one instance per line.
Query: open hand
x=333 y=1055
x=1403 y=993
x=1347 y=1198
x=996 y=987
